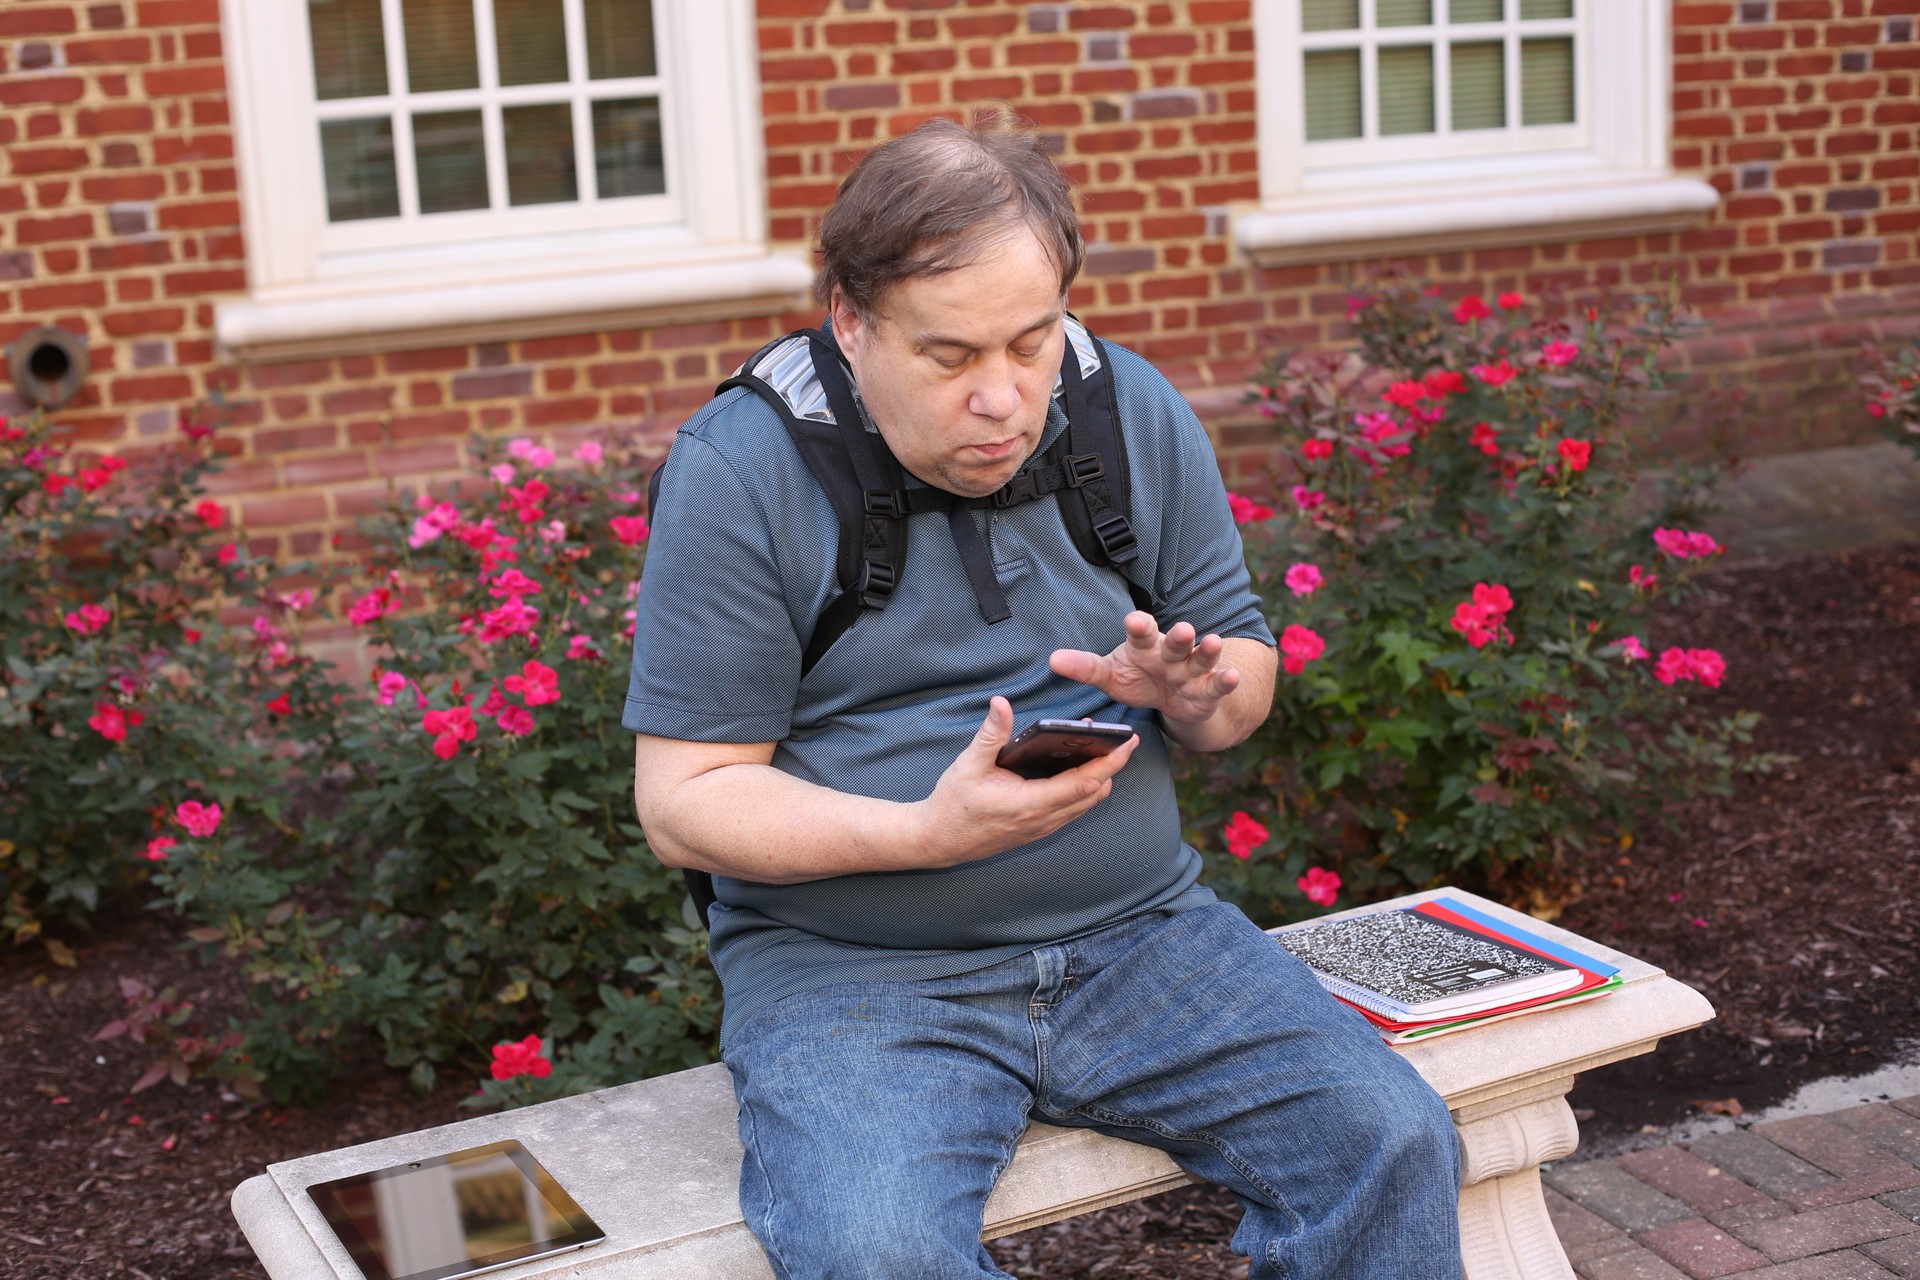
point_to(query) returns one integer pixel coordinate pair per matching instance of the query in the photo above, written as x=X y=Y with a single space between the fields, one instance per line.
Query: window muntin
x=1391 y=81
x=451 y=119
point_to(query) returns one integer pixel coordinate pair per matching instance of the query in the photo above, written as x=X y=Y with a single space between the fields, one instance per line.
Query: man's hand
x=1182 y=676
x=978 y=809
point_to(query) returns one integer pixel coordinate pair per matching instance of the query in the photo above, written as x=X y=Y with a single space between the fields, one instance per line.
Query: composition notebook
x=1598 y=978
x=1412 y=966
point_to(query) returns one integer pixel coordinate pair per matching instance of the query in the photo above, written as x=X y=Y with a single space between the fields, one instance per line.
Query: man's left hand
x=1174 y=672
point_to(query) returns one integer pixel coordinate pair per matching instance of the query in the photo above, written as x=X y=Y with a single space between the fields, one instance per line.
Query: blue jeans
x=877 y=1116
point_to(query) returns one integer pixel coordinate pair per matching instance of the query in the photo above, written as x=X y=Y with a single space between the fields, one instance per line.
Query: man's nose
x=996 y=394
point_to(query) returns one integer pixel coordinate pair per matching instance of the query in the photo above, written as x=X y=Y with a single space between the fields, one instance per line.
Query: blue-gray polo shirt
x=740 y=565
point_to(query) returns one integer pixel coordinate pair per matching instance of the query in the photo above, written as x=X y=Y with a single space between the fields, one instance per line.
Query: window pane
x=1474 y=11
x=1406 y=90
x=627 y=154
x=1479 y=85
x=531 y=36
x=620 y=39
x=1333 y=94
x=357 y=157
x=1546 y=81
x=1402 y=13
x=450 y=157
x=441 y=53
x=349 y=48
x=540 y=154
x=1537 y=10
x=1329 y=15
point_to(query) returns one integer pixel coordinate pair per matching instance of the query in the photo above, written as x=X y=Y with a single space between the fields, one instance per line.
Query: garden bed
x=1791 y=904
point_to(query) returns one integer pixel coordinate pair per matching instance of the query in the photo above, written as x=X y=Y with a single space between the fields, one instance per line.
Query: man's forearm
x=753 y=822
x=1240 y=712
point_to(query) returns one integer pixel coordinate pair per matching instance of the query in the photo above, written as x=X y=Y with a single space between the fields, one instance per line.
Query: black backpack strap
x=863 y=483
x=1092 y=455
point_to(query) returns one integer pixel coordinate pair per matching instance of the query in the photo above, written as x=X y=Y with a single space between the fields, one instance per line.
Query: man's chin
x=977 y=482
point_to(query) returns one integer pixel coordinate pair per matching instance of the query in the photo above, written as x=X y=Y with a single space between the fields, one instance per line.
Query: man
x=921 y=950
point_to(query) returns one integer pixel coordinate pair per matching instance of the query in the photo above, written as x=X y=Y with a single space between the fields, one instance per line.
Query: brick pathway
x=1830 y=1197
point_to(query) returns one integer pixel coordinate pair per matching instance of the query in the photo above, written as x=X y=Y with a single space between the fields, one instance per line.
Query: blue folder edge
x=1534 y=940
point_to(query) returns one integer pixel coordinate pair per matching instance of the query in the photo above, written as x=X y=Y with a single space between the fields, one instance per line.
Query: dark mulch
x=1797 y=912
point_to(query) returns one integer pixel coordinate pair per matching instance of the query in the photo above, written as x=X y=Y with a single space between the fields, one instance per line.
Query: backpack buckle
x=883 y=502
x=876 y=583
x=1082 y=467
x=1024 y=487
x=1116 y=537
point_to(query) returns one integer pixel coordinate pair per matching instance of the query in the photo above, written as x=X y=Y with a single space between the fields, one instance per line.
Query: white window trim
x=315 y=289
x=1617 y=181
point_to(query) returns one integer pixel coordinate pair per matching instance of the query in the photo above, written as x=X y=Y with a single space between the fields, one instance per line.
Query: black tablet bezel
x=581 y=1229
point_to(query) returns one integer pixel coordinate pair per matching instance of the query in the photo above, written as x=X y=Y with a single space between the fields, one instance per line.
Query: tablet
x=453 y=1215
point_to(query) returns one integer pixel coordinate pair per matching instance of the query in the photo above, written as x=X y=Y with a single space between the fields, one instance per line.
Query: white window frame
x=1607 y=174
x=698 y=252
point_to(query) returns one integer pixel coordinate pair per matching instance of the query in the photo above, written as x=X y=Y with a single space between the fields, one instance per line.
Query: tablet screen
x=453 y=1215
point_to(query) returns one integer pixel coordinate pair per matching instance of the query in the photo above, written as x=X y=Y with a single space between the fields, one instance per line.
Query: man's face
x=957 y=369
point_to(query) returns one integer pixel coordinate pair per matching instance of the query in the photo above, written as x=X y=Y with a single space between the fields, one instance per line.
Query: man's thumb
x=997 y=728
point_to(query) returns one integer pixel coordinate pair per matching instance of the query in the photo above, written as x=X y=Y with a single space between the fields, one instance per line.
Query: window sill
x=340 y=323
x=1375 y=224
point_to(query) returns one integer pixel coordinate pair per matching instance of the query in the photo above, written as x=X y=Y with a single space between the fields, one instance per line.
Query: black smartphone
x=1047 y=747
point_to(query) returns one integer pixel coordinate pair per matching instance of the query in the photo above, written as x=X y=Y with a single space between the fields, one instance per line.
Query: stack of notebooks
x=1441 y=966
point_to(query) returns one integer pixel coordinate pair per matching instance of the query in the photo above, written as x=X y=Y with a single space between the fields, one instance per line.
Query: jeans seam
x=1226 y=1152
x=767 y=1242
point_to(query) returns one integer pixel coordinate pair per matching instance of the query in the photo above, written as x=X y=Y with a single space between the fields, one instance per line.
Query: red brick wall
x=119 y=219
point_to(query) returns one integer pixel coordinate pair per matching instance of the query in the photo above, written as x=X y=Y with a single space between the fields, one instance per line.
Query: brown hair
x=928 y=202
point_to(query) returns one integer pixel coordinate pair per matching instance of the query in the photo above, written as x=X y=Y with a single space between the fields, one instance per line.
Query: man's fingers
x=1081 y=666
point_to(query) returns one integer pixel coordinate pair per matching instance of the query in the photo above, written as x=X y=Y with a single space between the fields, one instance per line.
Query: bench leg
x=1505 y=1233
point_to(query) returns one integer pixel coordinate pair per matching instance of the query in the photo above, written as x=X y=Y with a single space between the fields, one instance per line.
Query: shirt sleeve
x=715 y=654
x=1201 y=566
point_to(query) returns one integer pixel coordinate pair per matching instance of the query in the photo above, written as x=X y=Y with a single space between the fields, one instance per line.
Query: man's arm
x=723 y=808
x=1210 y=692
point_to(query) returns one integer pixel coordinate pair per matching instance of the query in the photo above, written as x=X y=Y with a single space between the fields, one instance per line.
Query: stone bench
x=656 y=1163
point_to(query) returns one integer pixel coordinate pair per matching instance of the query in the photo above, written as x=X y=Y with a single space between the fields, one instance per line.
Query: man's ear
x=849 y=330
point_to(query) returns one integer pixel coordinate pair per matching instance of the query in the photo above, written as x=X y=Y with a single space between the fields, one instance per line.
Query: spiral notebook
x=1409 y=966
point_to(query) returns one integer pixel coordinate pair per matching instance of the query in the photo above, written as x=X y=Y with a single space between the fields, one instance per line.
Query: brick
x=491 y=385
x=1634 y=1263
x=1583 y=1235
x=1900 y=1255
x=72 y=226
x=37 y=20
x=1108 y=260
x=1823 y=1230
x=1894 y=1177
x=1907 y=1202
x=184 y=82
x=1886 y=1128
x=1833 y=1266
x=1701 y=1249
x=178 y=13
x=16 y=91
x=857 y=97
x=25 y=161
x=1689 y=1179
x=126 y=324
x=1832 y=1147
x=203 y=213
x=1759 y=1163
x=1603 y=1188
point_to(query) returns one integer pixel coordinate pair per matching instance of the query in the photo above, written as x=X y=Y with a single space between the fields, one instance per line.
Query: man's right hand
x=978 y=809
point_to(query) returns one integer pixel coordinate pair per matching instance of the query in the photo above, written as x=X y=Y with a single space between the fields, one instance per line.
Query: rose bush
x=476 y=875
x=1461 y=589
x=1892 y=386
x=151 y=666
